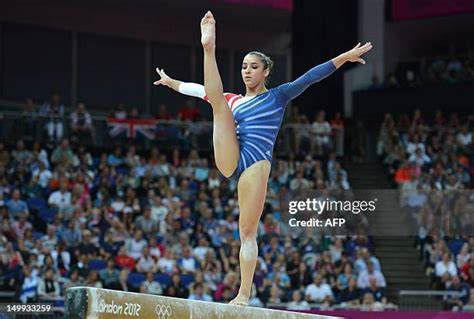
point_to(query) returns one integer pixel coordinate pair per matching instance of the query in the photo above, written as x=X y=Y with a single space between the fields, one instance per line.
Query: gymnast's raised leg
x=226 y=146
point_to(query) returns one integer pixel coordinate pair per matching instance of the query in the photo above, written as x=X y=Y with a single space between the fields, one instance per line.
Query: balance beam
x=94 y=303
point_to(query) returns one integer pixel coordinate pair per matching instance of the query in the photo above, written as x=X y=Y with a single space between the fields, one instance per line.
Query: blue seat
x=135 y=279
x=122 y=171
x=47 y=214
x=97 y=264
x=186 y=279
x=163 y=279
x=36 y=203
x=38 y=235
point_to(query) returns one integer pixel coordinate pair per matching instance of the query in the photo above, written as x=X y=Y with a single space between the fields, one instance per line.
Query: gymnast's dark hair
x=267 y=62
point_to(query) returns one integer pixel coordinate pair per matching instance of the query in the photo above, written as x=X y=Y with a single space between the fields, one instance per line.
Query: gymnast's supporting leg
x=226 y=146
x=252 y=190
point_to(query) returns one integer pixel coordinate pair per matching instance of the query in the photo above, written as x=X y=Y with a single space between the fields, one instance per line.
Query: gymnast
x=245 y=130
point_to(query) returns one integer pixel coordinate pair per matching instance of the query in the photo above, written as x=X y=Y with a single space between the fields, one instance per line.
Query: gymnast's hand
x=355 y=54
x=164 y=78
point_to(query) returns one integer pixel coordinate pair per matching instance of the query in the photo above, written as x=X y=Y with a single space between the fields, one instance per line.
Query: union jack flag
x=132 y=128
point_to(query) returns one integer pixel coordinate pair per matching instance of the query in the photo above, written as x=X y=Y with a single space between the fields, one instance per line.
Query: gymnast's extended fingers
x=366 y=49
x=158 y=71
x=358 y=45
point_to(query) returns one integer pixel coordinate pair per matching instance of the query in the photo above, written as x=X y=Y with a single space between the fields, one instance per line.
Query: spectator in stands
x=146 y=263
x=230 y=284
x=81 y=125
x=150 y=286
x=297 y=302
x=29 y=286
x=48 y=287
x=146 y=223
x=364 y=257
x=363 y=281
x=293 y=270
x=74 y=281
x=189 y=112
x=93 y=280
x=63 y=154
x=115 y=159
x=377 y=291
x=86 y=247
x=457 y=302
x=133 y=114
x=61 y=258
x=44 y=175
x=20 y=154
x=414 y=144
x=176 y=288
x=319 y=292
x=416 y=200
x=134 y=246
x=167 y=263
x=463 y=257
x=110 y=275
x=299 y=182
x=119 y=112
x=419 y=159
x=467 y=272
x=188 y=263
x=16 y=206
x=445 y=270
x=53 y=111
x=320 y=134
x=50 y=240
x=351 y=294
x=464 y=137
x=30 y=120
x=163 y=113
x=20 y=227
x=123 y=260
x=369 y=303
x=344 y=277
x=82 y=266
x=199 y=294
x=275 y=295
x=72 y=235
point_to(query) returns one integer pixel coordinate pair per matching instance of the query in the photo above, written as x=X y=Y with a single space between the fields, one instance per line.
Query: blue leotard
x=258 y=120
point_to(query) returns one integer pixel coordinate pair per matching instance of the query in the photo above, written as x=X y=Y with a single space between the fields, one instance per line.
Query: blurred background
x=98 y=165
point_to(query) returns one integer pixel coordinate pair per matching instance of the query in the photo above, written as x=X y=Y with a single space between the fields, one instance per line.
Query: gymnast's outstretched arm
x=186 y=88
x=293 y=89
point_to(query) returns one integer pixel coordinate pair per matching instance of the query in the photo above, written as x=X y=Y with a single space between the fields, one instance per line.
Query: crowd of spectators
x=49 y=122
x=166 y=223
x=440 y=69
x=432 y=163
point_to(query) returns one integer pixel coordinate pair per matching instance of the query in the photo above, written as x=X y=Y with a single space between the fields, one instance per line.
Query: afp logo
x=163 y=311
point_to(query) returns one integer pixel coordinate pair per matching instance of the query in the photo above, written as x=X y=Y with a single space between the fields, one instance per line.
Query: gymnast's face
x=253 y=71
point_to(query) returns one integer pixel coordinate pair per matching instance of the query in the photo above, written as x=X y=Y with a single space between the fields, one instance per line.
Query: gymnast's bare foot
x=240 y=300
x=208 y=31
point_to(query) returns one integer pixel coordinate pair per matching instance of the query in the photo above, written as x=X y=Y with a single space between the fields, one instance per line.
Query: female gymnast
x=245 y=130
